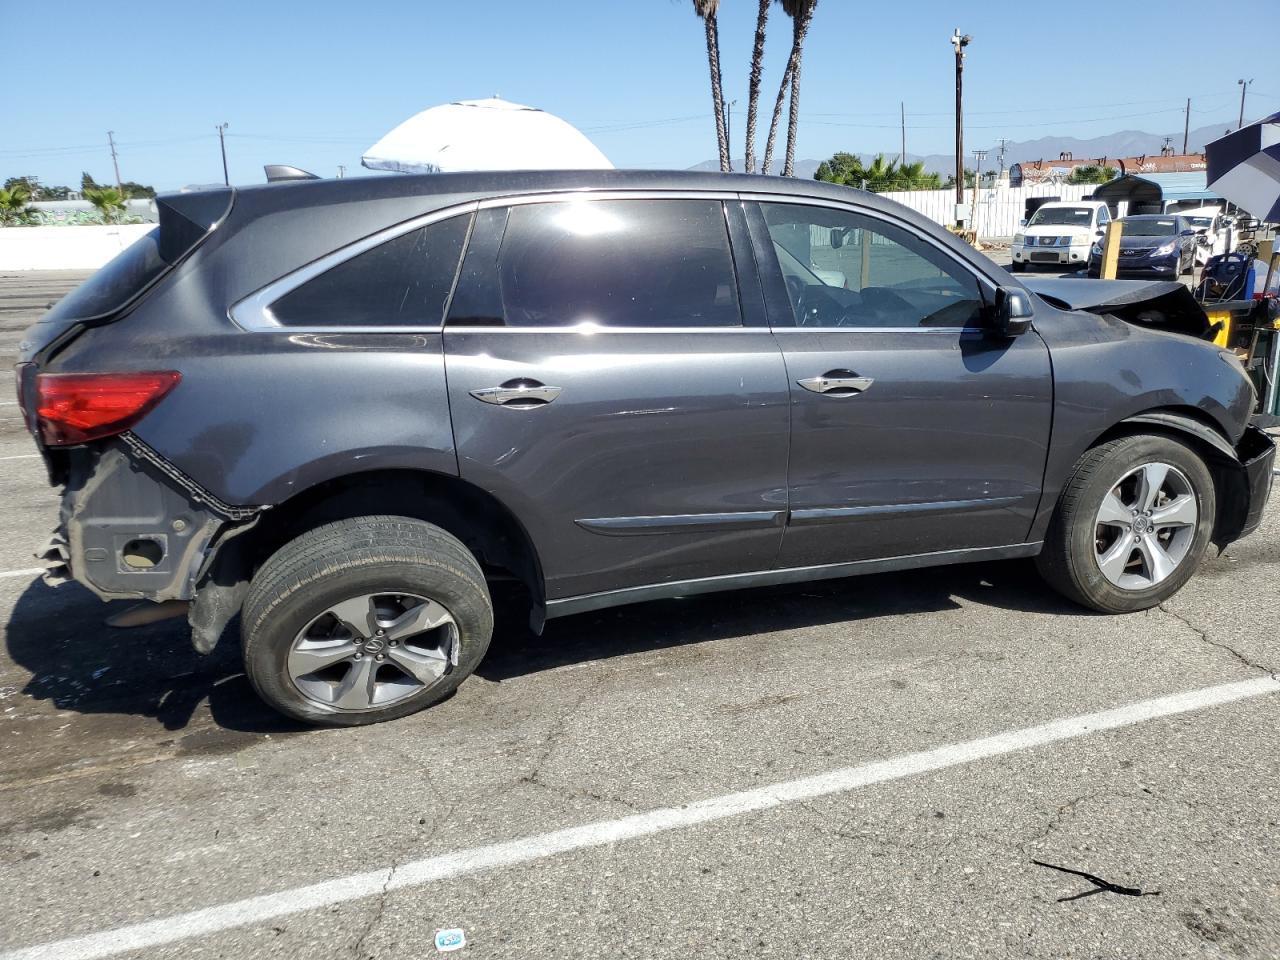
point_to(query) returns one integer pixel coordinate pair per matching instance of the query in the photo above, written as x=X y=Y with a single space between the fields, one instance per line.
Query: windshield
x=1061 y=217
x=1199 y=222
x=1156 y=227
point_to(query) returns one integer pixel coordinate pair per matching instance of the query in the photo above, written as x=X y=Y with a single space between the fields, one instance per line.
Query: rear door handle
x=837 y=383
x=521 y=393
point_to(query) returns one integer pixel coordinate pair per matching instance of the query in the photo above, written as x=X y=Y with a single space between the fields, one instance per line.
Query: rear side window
x=400 y=283
x=621 y=263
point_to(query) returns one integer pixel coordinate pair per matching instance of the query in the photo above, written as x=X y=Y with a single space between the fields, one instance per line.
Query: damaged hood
x=1158 y=304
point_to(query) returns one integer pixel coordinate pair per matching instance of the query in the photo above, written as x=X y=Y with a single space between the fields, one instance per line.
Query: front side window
x=845 y=270
x=619 y=263
x=403 y=282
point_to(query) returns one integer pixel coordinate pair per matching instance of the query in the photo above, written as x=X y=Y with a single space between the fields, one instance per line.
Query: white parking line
x=241 y=913
x=22 y=456
x=28 y=572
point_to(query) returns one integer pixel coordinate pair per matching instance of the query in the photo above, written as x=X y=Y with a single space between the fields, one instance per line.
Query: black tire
x=1017 y=267
x=1069 y=559
x=351 y=558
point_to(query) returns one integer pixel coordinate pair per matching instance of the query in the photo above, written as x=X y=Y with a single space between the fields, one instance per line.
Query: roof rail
x=277 y=172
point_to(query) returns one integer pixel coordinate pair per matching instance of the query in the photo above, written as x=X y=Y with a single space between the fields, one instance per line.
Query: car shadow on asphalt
x=80 y=664
x=663 y=624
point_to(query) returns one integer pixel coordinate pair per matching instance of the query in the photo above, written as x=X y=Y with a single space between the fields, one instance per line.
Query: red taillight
x=79 y=407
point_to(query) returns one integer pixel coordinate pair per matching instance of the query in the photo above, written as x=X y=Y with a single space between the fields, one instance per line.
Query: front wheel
x=365 y=620
x=1131 y=526
x=1017 y=267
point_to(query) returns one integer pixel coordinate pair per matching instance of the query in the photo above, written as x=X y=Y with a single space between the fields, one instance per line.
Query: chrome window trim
x=595 y=330
x=253 y=313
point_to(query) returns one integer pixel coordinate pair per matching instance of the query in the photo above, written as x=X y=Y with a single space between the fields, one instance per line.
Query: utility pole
x=1186 y=128
x=342 y=171
x=728 y=129
x=115 y=161
x=959 y=42
x=222 y=129
x=1003 y=143
x=1167 y=149
x=902 y=161
x=1244 y=88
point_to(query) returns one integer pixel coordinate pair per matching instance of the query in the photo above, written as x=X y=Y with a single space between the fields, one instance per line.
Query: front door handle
x=837 y=383
x=519 y=394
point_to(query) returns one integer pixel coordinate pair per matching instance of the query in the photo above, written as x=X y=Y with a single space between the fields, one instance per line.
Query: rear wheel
x=1131 y=526
x=365 y=620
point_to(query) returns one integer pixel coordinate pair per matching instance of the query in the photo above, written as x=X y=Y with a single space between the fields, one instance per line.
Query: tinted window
x=845 y=270
x=401 y=283
x=632 y=263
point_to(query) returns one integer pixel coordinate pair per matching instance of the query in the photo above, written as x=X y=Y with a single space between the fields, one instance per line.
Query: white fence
x=998 y=210
x=65 y=248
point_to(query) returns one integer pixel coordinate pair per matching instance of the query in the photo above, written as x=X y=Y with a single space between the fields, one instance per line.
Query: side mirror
x=837 y=238
x=1013 y=312
x=1187 y=233
x=1022 y=222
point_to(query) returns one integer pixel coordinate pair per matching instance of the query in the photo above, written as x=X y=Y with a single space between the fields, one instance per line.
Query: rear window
x=401 y=283
x=626 y=263
x=185 y=220
x=618 y=263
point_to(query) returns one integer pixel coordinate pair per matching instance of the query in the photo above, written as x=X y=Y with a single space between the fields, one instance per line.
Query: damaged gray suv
x=340 y=410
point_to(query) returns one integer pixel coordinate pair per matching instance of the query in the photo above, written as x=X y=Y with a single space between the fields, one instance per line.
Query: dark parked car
x=1151 y=245
x=341 y=408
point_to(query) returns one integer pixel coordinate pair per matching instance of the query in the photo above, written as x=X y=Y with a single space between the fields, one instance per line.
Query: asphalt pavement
x=859 y=768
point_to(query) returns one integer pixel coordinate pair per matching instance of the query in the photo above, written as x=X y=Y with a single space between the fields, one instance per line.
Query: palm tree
x=757 y=66
x=14 y=207
x=109 y=201
x=707 y=10
x=801 y=14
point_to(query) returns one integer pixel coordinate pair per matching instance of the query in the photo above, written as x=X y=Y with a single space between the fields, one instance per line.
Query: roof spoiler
x=278 y=172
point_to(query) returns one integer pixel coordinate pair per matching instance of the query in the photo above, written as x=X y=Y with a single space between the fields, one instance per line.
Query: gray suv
x=340 y=410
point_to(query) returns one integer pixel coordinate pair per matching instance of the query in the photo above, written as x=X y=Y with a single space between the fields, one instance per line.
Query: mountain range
x=1126 y=143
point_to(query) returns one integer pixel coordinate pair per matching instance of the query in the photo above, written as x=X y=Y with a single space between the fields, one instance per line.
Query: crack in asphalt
x=375 y=916
x=1205 y=638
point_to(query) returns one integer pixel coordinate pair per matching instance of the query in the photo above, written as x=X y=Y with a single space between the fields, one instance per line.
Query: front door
x=913 y=430
x=604 y=386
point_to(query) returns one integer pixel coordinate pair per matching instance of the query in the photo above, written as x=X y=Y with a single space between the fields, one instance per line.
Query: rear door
x=612 y=383
x=913 y=430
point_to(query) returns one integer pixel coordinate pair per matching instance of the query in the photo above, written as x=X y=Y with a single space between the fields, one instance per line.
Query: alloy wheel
x=1145 y=526
x=373 y=650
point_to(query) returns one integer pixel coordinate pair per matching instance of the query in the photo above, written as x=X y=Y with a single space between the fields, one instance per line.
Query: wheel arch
x=488 y=528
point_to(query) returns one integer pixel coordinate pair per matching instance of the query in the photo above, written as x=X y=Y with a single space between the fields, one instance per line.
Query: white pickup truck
x=1060 y=233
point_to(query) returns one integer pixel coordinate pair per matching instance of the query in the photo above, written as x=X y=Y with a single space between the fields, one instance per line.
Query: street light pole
x=728 y=128
x=959 y=42
x=222 y=129
x=1244 y=88
x=115 y=161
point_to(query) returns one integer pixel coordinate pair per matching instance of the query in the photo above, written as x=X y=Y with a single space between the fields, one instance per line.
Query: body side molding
x=764 y=578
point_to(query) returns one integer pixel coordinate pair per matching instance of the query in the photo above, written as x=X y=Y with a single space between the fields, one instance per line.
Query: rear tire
x=1116 y=546
x=365 y=620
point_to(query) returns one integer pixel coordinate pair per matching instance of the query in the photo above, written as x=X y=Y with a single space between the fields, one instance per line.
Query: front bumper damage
x=132 y=526
x=1257 y=453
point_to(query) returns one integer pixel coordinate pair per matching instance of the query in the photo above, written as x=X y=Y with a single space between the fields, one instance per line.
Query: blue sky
x=315 y=83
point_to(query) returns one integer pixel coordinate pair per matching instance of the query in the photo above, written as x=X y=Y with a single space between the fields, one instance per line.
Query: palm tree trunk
x=757 y=67
x=717 y=92
x=766 y=165
x=793 y=119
